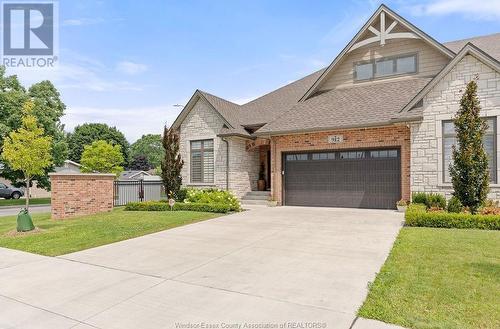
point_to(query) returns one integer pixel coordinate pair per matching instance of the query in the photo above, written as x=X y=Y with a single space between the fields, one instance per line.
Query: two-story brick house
x=365 y=131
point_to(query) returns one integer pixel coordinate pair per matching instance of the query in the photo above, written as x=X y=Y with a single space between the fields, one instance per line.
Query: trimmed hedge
x=416 y=215
x=163 y=206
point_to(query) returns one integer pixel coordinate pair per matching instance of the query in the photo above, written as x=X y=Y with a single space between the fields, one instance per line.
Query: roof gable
x=383 y=25
x=219 y=107
x=468 y=49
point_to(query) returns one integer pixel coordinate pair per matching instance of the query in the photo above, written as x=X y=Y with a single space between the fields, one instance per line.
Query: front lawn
x=62 y=237
x=439 y=278
x=22 y=202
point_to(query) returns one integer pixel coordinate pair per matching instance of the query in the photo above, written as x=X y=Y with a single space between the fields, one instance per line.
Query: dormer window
x=385 y=67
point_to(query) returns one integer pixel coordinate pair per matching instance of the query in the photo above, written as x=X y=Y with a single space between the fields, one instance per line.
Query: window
x=385 y=67
x=296 y=157
x=364 y=71
x=352 y=155
x=384 y=154
x=323 y=156
x=449 y=139
x=202 y=161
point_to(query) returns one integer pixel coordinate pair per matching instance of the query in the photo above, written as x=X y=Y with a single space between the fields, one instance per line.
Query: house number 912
x=335 y=139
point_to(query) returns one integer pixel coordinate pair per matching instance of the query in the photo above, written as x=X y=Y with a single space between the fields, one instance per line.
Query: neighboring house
x=364 y=132
x=69 y=166
x=138 y=175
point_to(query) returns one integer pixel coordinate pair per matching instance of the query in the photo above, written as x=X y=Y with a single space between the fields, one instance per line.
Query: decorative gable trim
x=383 y=34
x=468 y=49
x=189 y=106
x=380 y=36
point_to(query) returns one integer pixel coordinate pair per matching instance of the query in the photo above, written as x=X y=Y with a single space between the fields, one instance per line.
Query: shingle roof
x=230 y=111
x=268 y=107
x=362 y=105
x=271 y=109
x=490 y=44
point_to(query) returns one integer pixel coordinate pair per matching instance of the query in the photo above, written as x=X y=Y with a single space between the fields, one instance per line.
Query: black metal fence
x=137 y=191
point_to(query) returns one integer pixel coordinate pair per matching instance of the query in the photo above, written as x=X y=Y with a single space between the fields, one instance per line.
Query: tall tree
x=27 y=149
x=140 y=162
x=172 y=163
x=103 y=157
x=88 y=133
x=150 y=146
x=469 y=170
x=48 y=109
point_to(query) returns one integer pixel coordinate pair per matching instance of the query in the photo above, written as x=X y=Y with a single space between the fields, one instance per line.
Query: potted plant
x=261 y=184
x=402 y=205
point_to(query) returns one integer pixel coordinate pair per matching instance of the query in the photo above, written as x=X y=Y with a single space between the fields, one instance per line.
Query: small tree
x=27 y=149
x=172 y=163
x=140 y=162
x=101 y=156
x=469 y=169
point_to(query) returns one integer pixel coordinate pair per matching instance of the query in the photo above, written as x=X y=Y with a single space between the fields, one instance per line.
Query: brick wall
x=442 y=103
x=80 y=194
x=391 y=136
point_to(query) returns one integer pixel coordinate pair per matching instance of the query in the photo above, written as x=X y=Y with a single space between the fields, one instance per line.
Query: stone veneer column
x=75 y=194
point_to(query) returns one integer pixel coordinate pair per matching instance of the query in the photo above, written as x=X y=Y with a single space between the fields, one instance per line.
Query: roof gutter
x=323 y=129
x=236 y=135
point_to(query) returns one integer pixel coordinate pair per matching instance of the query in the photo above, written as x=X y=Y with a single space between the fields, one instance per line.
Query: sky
x=129 y=63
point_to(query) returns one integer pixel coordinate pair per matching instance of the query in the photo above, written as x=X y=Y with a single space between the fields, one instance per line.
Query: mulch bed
x=15 y=233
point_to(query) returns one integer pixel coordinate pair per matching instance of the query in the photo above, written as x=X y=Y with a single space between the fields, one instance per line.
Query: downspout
x=227 y=162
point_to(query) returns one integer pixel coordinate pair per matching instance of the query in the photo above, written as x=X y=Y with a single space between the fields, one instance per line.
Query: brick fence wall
x=366 y=138
x=80 y=194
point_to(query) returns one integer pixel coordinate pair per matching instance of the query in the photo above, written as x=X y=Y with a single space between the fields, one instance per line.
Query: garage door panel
x=371 y=180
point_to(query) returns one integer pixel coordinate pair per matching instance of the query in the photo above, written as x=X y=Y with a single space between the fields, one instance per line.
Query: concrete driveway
x=272 y=266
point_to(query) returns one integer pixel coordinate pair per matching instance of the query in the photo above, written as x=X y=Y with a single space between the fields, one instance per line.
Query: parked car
x=9 y=192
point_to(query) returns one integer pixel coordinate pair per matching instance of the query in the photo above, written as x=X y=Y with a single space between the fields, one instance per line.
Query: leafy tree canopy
x=47 y=109
x=88 y=133
x=149 y=146
x=27 y=149
x=103 y=157
x=140 y=162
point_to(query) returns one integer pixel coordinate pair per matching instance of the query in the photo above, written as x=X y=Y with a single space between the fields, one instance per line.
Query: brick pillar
x=75 y=194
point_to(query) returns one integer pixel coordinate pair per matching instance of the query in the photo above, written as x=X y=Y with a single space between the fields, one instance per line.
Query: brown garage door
x=356 y=179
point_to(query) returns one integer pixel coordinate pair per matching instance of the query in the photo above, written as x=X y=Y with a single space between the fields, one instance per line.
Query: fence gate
x=137 y=191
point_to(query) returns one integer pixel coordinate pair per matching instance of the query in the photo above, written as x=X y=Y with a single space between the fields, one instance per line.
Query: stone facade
x=440 y=104
x=80 y=194
x=203 y=122
x=366 y=138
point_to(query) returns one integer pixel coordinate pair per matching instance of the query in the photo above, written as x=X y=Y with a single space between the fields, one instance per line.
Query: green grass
x=439 y=278
x=62 y=237
x=22 y=202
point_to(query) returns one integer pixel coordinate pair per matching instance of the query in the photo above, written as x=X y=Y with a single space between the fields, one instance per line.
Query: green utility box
x=24 y=221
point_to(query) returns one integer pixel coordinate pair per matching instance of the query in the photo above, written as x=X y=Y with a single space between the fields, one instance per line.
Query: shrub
x=164 y=206
x=435 y=200
x=419 y=197
x=180 y=196
x=416 y=215
x=210 y=196
x=454 y=205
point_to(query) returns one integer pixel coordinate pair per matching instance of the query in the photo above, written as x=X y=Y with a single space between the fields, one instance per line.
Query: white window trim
x=439 y=136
